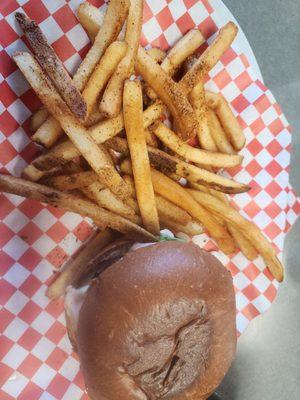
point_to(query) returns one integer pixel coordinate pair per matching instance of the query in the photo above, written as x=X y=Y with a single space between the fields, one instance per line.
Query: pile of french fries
x=109 y=154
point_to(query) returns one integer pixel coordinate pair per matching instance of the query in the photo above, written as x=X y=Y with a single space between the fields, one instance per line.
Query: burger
x=152 y=322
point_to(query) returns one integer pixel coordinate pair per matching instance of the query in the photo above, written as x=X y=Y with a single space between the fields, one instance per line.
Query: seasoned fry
x=157 y=54
x=101 y=132
x=91 y=18
x=73 y=269
x=111 y=102
x=210 y=57
x=197 y=98
x=133 y=118
x=94 y=118
x=102 y=73
x=218 y=134
x=191 y=229
x=170 y=165
x=115 y=16
x=52 y=65
x=72 y=203
x=150 y=138
x=165 y=208
x=171 y=140
x=170 y=93
x=229 y=122
x=248 y=229
x=76 y=132
x=33 y=174
x=38 y=118
x=74 y=181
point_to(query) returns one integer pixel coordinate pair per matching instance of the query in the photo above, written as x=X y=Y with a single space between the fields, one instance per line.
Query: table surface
x=268 y=360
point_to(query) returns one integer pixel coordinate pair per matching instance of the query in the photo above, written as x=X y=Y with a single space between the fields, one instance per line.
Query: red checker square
x=251 y=292
x=5 y=396
x=160 y=42
x=29 y=339
x=273 y=210
x=57 y=358
x=31 y=100
x=240 y=103
x=164 y=18
x=272 y=230
x=244 y=60
x=79 y=381
x=232 y=268
x=7 y=65
x=185 y=23
x=251 y=272
x=274 y=168
x=6 y=262
x=83 y=231
x=255 y=147
x=30 y=233
x=257 y=126
x=255 y=189
x=250 y=312
x=208 y=27
x=30 y=286
x=97 y=3
x=252 y=209
x=274 y=148
x=30 y=312
x=5 y=319
x=56 y=332
x=36 y=10
x=30 y=152
x=243 y=81
x=276 y=126
x=6 y=291
x=235 y=170
x=228 y=56
x=29 y=366
x=57 y=212
x=7 y=95
x=30 y=208
x=207 y=5
x=190 y=3
x=58 y=386
x=7 y=151
x=65 y=18
x=222 y=79
x=278 y=109
x=262 y=104
x=7 y=125
x=7 y=34
x=253 y=168
x=30 y=259
x=63 y=48
x=57 y=232
x=55 y=308
x=270 y=293
x=31 y=391
x=7 y=7
x=147 y=13
x=5 y=234
x=83 y=52
x=5 y=345
x=5 y=373
x=57 y=257
x=85 y=397
x=5 y=206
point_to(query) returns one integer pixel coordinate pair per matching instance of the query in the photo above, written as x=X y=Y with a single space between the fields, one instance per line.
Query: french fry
x=38 y=118
x=191 y=229
x=52 y=65
x=176 y=194
x=133 y=118
x=72 y=203
x=91 y=18
x=114 y=19
x=157 y=54
x=247 y=228
x=229 y=122
x=76 y=265
x=74 y=181
x=210 y=57
x=101 y=132
x=165 y=208
x=94 y=118
x=33 y=174
x=150 y=138
x=170 y=165
x=102 y=73
x=197 y=98
x=173 y=142
x=218 y=134
x=111 y=102
x=169 y=92
x=76 y=132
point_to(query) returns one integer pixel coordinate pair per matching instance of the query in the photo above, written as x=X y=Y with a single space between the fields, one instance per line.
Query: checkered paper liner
x=36 y=359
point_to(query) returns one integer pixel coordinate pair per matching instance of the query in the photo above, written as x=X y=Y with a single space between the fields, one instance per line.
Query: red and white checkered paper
x=36 y=359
